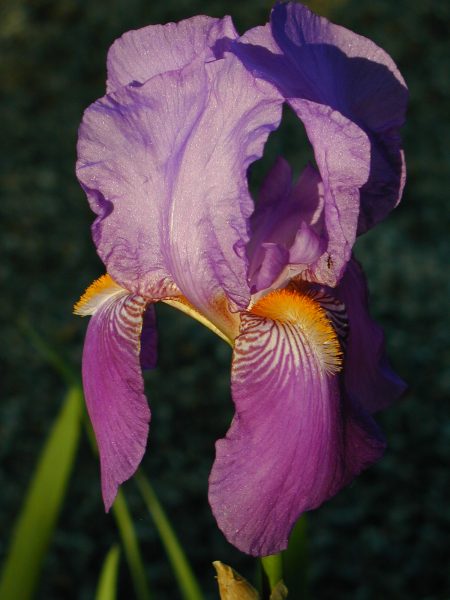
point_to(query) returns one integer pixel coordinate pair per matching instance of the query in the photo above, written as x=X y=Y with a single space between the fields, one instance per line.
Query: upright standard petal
x=367 y=375
x=309 y=58
x=293 y=442
x=113 y=383
x=287 y=232
x=164 y=166
x=140 y=54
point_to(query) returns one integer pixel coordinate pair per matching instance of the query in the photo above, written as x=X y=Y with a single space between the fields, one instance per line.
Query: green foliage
x=131 y=547
x=107 y=584
x=187 y=582
x=42 y=504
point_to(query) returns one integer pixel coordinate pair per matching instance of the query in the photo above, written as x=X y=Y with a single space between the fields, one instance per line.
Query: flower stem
x=273 y=569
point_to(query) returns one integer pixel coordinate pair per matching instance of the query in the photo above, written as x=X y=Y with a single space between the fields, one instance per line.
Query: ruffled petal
x=289 y=218
x=367 y=374
x=114 y=388
x=309 y=58
x=293 y=443
x=342 y=152
x=164 y=167
x=140 y=54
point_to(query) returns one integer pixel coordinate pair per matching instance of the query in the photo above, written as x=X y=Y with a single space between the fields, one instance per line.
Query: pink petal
x=114 y=389
x=293 y=443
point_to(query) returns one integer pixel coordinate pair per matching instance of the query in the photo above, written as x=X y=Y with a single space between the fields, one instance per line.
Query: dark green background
x=387 y=535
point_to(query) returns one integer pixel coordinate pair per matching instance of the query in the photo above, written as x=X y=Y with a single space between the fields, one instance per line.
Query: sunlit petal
x=294 y=441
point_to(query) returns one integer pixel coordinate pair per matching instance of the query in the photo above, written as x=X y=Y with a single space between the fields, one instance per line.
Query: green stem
x=131 y=547
x=187 y=582
x=273 y=568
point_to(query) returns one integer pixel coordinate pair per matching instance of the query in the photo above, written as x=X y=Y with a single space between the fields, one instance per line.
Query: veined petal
x=164 y=167
x=114 y=388
x=367 y=374
x=294 y=442
x=140 y=54
x=309 y=58
x=342 y=152
x=287 y=227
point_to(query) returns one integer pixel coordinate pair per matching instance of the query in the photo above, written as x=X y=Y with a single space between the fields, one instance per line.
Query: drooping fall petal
x=113 y=385
x=149 y=339
x=294 y=441
x=367 y=374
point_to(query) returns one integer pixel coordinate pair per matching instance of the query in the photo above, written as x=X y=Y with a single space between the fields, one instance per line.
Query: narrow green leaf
x=107 y=584
x=187 y=582
x=49 y=354
x=42 y=504
x=131 y=547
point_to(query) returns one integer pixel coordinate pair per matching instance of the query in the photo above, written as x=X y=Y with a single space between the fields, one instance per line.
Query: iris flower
x=163 y=159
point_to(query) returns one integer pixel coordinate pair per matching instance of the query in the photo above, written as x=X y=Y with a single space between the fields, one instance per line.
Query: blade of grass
x=107 y=584
x=187 y=582
x=49 y=354
x=126 y=529
x=34 y=527
x=131 y=547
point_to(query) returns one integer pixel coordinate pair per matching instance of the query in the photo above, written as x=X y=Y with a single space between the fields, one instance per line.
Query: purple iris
x=163 y=159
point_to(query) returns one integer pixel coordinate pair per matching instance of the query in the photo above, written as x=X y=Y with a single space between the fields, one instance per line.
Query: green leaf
x=35 y=524
x=107 y=585
x=131 y=547
x=187 y=582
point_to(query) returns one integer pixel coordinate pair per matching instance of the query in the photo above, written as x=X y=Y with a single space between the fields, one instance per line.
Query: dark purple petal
x=367 y=374
x=309 y=58
x=316 y=219
x=164 y=166
x=271 y=260
x=287 y=222
x=293 y=442
x=114 y=389
x=140 y=54
x=342 y=152
x=149 y=339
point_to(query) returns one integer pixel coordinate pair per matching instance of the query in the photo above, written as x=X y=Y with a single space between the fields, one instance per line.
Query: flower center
x=300 y=310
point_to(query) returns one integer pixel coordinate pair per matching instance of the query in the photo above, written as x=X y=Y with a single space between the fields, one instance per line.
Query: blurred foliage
x=386 y=536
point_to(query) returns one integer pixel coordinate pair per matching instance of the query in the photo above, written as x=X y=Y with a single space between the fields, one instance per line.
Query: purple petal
x=272 y=258
x=140 y=54
x=289 y=218
x=149 y=339
x=293 y=442
x=367 y=375
x=114 y=389
x=164 y=167
x=342 y=152
x=309 y=58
